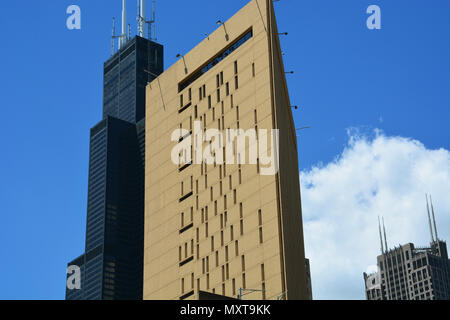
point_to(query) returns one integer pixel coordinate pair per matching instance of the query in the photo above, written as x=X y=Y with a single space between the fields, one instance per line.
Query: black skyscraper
x=111 y=267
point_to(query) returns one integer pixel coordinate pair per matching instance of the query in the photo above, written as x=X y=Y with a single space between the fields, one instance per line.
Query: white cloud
x=378 y=175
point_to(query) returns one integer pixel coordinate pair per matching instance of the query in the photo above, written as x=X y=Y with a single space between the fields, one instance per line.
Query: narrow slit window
x=261 y=240
x=234 y=287
x=262 y=273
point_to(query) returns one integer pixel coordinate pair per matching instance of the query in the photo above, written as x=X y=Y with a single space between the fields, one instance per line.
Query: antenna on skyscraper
x=113 y=37
x=141 y=18
x=142 y=21
x=123 y=36
x=381 y=236
x=385 y=240
x=434 y=219
x=154 y=37
x=429 y=219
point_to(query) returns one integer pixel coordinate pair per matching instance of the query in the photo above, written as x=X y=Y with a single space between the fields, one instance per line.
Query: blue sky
x=395 y=79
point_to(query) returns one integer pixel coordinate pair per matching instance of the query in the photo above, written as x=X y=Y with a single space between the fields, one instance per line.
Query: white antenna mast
x=153 y=22
x=385 y=240
x=141 y=18
x=381 y=236
x=123 y=35
x=429 y=219
x=113 y=37
x=150 y=23
x=434 y=219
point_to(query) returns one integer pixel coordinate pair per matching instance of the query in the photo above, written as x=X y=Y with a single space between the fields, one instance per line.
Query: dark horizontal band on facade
x=186 y=196
x=186 y=228
x=216 y=59
x=185 y=107
x=185 y=167
x=187 y=295
x=182 y=263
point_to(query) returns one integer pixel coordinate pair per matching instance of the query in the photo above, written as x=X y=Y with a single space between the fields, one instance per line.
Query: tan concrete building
x=226 y=226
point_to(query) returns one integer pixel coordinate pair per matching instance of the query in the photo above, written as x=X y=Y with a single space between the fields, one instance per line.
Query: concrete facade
x=219 y=228
x=410 y=273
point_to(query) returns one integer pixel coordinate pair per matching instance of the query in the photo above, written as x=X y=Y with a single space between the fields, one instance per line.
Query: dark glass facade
x=112 y=266
x=126 y=76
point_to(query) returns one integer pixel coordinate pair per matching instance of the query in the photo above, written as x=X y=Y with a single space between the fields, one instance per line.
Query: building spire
x=429 y=219
x=141 y=18
x=385 y=239
x=381 y=236
x=113 y=37
x=142 y=21
x=123 y=36
x=434 y=219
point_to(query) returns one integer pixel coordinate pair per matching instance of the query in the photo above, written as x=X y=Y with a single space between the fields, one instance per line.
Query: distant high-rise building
x=411 y=273
x=112 y=265
x=308 y=279
x=229 y=228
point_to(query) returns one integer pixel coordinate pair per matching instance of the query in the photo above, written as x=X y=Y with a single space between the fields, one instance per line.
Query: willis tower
x=111 y=267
